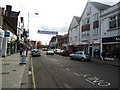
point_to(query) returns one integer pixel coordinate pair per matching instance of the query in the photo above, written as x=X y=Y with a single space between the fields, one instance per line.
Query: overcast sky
x=54 y=15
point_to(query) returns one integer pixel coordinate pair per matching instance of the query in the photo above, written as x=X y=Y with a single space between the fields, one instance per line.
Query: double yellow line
x=33 y=76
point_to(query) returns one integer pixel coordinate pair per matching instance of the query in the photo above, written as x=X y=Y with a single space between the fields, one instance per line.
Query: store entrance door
x=90 y=51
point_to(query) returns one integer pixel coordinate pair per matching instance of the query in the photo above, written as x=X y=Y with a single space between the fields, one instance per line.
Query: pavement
x=14 y=75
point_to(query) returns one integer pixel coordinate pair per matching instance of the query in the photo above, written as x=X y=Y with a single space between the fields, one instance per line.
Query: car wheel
x=71 y=58
x=83 y=59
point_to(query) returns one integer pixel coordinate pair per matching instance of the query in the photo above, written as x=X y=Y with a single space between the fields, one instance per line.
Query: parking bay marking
x=76 y=74
x=67 y=69
x=61 y=65
x=95 y=80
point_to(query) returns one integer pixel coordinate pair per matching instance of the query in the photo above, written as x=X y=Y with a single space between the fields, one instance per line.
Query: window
x=83 y=22
x=119 y=20
x=71 y=39
x=96 y=31
x=75 y=38
x=96 y=16
x=113 y=22
x=86 y=21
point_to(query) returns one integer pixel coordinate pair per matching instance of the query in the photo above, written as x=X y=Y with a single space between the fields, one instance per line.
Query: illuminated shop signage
x=111 y=39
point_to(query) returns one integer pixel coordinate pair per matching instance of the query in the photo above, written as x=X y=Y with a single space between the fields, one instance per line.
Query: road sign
x=47 y=32
x=7 y=34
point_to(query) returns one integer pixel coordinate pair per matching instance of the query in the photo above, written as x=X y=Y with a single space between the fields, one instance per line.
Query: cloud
x=60 y=29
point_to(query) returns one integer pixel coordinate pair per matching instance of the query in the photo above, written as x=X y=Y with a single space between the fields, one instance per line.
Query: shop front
x=96 y=50
x=111 y=46
x=1 y=40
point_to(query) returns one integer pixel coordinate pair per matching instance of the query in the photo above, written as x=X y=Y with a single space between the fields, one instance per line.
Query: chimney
x=8 y=10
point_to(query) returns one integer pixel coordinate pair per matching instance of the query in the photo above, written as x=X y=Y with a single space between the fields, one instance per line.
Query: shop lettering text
x=117 y=39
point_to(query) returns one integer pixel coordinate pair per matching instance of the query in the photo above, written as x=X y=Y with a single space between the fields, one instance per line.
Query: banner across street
x=47 y=32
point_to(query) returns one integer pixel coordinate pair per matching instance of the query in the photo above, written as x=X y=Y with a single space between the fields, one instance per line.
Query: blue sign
x=47 y=32
x=27 y=34
x=7 y=34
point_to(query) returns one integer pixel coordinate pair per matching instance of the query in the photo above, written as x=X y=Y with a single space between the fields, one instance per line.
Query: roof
x=14 y=14
x=77 y=18
x=100 y=6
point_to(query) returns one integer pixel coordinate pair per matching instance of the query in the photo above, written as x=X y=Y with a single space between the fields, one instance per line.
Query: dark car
x=35 y=52
x=66 y=53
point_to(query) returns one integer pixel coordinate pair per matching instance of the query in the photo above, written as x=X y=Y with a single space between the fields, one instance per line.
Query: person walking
x=27 y=49
x=21 y=49
x=103 y=54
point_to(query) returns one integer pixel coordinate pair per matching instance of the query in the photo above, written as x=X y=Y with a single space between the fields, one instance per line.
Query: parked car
x=35 y=52
x=57 y=51
x=61 y=52
x=50 y=52
x=66 y=53
x=81 y=56
x=44 y=49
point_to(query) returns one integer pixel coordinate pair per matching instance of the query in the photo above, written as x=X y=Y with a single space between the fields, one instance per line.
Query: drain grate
x=6 y=72
x=6 y=63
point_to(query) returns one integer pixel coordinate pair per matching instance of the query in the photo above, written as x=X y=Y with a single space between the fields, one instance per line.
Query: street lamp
x=28 y=23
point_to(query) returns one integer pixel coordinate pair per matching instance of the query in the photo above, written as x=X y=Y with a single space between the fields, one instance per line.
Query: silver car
x=50 y=52
x=35 y=52
x=81 y=56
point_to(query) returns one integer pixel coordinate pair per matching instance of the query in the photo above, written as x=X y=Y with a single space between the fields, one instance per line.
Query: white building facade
x=74 y=33
x=110 y=32
x=1 y=31
x=90 y=29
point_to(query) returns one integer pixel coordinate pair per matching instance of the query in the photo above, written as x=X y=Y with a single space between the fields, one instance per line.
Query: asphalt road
x=55 y=71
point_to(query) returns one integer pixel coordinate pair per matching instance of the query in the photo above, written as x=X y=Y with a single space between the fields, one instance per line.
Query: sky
x=53 y=15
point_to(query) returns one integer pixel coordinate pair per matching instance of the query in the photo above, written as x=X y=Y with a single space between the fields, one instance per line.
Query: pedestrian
x=27 y=48
x=21 y=49
x=103 y=54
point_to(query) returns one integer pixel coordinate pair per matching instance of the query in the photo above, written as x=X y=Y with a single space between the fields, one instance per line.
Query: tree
x=39 y=44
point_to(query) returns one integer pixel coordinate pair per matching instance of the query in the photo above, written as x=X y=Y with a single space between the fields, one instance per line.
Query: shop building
x=90 y=29
x=110 y=26
x=74 y=34
x=63 y=42
x=9 y=25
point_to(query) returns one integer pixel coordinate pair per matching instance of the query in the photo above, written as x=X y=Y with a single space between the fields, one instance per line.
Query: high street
x=55 y=71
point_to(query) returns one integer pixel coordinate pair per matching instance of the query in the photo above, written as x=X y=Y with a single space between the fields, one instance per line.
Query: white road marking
x=76 y=74
x=66 y=85
x=61 y=65
x=90 y=81
x=67 y=69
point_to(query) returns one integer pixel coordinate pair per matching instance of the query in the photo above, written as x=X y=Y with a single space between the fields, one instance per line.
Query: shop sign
x=111 y=39
x=7 y=34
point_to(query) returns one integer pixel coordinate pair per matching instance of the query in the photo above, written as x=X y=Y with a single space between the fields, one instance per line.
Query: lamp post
x=29 y=21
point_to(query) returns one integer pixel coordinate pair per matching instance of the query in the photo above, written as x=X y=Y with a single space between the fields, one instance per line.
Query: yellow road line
x=33 y=76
